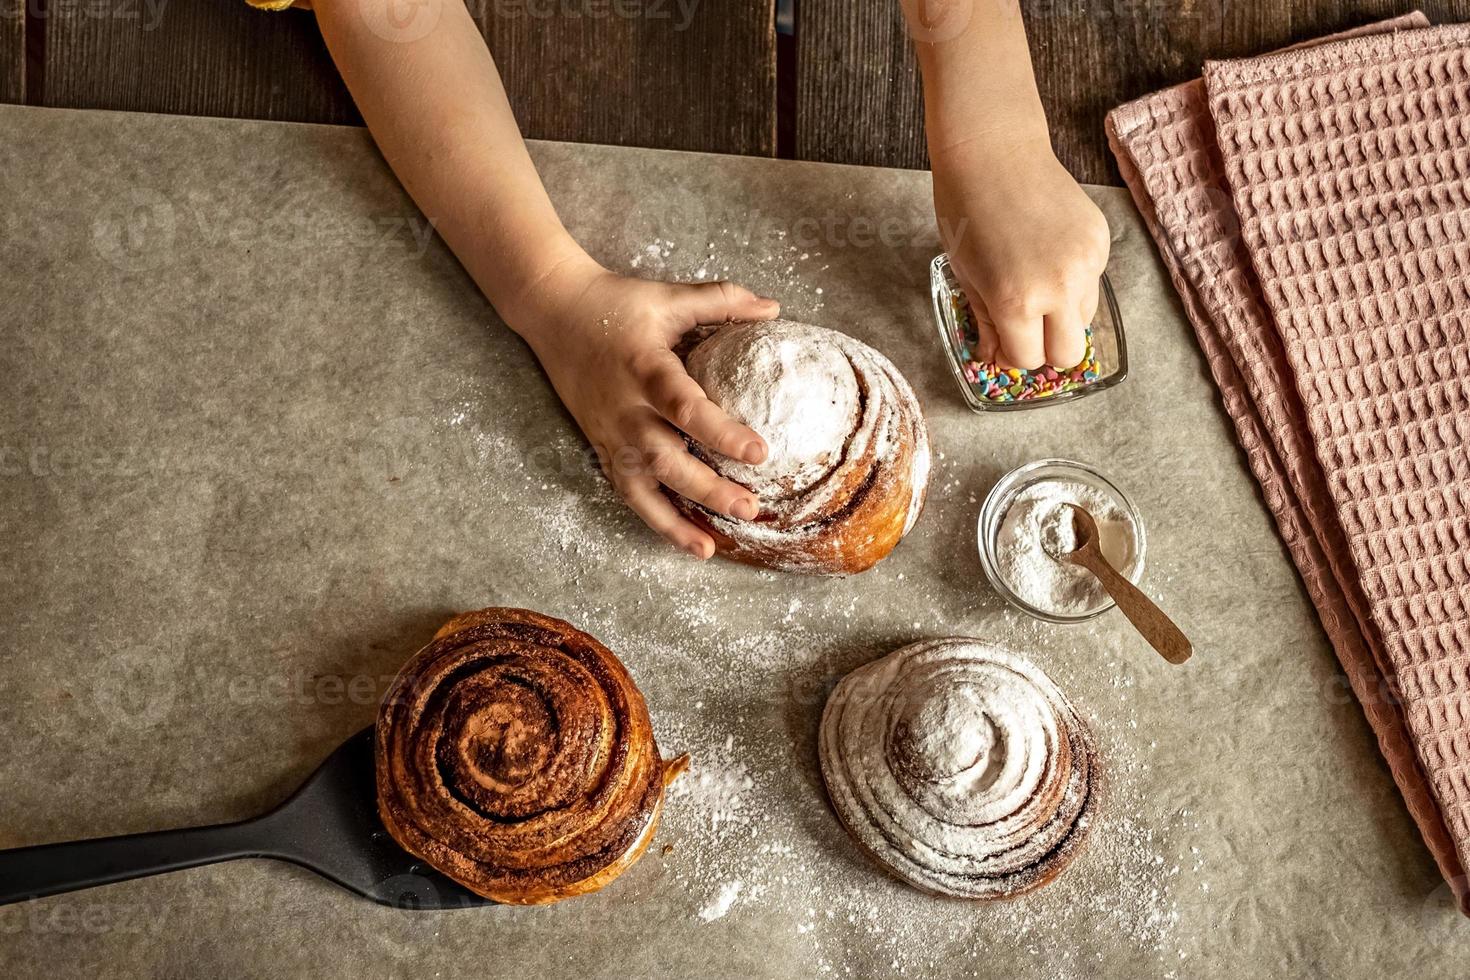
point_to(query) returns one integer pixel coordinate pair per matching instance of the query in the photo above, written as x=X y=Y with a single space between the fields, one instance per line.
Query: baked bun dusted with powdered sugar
x=960 y=767
x=849 y=453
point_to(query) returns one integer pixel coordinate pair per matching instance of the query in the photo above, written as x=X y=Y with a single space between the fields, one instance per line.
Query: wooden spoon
x=1158 y=629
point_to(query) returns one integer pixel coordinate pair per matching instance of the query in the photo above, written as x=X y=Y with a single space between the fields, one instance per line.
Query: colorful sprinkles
x=996 y=384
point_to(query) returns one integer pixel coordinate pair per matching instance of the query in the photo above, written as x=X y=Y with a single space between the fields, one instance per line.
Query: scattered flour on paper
x=769 y=264
x=716 y=909
x=736 y=668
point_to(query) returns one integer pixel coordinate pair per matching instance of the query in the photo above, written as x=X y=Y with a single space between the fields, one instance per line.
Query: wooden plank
x=679 y=74
x=664 y=73
x=672 y=73
x=858 y=92
x=218 y=58
x=857 y=85
x=1090 y=64
x=864 y=105
x=12 y=50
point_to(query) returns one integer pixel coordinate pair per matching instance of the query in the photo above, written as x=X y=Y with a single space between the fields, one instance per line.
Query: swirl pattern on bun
x=961 y=768
x=515 y=755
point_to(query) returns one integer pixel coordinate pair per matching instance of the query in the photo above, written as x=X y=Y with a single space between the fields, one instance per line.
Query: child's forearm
x=1025 y=242
x=439 y=113
x=978 y=83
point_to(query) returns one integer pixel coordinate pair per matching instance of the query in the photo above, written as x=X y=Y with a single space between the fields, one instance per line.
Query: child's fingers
x=1090 y=301
x=648 y=502
x=1065 y=342
x=717 y=302
x=670 y=464
x=1022 y=340
x=680 y=399
x=987 y=346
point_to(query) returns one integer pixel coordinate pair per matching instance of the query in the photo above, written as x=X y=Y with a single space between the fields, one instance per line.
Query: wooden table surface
x=842 y=87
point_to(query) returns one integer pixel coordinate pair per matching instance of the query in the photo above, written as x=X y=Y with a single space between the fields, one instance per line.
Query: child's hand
x=606 y=343
x=1027 y=245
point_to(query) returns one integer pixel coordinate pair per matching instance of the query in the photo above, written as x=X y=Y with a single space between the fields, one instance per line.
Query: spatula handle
x=1157 y=628
x=50 y=869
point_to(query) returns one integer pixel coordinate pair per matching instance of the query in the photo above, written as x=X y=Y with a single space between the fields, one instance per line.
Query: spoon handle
x=1157 y=628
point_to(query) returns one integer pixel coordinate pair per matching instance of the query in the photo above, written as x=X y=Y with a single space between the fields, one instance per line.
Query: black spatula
x=329 y=825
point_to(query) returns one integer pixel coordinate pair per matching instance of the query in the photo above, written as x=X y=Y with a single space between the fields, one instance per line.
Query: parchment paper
x=261 y=435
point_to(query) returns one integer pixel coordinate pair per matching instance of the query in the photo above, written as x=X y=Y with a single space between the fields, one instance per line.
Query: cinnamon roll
x=516 y=756
x=959 y=767
x=849 y=453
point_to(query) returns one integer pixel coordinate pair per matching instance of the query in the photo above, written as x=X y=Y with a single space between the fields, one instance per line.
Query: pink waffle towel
x=1313 y=209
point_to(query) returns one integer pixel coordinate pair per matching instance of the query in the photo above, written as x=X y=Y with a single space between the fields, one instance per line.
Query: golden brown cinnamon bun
x=516 y=756
x=849 y=452
x=960 y=768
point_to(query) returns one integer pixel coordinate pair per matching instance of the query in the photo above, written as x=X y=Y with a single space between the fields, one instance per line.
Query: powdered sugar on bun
x=849 y=453
x=784 y=381
x=961 y=767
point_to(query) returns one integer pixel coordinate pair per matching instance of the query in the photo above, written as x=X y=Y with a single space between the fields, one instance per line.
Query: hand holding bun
x=848 y=460
x=516 y=756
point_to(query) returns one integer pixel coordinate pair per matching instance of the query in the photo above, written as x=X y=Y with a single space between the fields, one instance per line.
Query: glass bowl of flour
x=1025 y=520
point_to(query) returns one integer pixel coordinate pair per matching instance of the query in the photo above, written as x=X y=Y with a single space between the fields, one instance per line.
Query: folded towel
x=1309 y=208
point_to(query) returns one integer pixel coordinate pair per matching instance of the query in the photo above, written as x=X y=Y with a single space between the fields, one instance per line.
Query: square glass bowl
x=957 y=333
